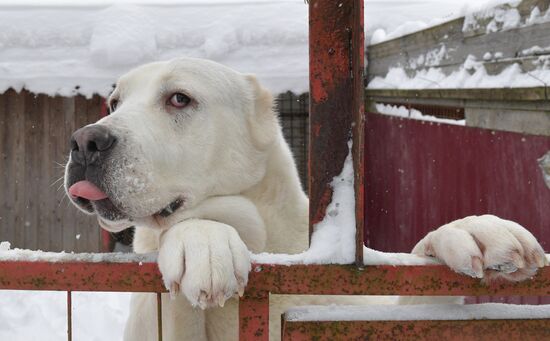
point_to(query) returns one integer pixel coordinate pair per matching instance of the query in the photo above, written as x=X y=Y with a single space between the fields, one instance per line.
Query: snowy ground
x=34 y=315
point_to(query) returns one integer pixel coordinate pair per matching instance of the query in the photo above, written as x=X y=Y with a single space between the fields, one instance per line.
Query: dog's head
x=178 y=132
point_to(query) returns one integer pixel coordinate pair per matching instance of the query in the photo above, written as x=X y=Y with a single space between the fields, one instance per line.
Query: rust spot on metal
x=254 y=316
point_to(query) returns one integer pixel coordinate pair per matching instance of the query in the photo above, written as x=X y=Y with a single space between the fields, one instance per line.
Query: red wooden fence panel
x=420 y=175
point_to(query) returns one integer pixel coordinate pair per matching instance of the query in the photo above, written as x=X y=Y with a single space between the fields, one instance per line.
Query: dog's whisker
x=56 y=181
x=60 y=186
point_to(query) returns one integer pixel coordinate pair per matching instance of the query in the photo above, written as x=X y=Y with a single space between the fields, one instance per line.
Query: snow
x=471 y=74
x=401 y=111
x=67 y=47
x=7 y=254
x=333 y=239
x=503 y=17
x=544 y=163
x=535 y=50
x=31 y=315
x=53 y=50
x=497 y=311
x=415 y=16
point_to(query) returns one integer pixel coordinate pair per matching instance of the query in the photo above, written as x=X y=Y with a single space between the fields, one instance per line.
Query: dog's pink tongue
x=87 y=190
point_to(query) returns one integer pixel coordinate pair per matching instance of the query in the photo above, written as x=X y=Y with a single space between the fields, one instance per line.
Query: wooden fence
x=34 y=140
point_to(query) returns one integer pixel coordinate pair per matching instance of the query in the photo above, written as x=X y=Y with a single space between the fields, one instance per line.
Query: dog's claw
x=203 y=300
x=221 y=300
x=506 y=268
x=541 y=259
x=174 y=290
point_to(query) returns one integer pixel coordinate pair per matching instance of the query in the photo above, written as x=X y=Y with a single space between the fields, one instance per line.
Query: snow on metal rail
x=268 y=279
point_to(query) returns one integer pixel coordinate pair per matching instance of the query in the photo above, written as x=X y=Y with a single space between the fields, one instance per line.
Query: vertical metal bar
x=336 y=61
x=159 y=316
x=69 y=316
x=358 y=124
x=254 y=317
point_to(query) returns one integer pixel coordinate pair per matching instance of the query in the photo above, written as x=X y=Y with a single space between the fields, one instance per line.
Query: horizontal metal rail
x=430 y=280
x=449 y=330
x=268 y=279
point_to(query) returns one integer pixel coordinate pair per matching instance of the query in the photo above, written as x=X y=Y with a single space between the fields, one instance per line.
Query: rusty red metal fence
x=267 y=279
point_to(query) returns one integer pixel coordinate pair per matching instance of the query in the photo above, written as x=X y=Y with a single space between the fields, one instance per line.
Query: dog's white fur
x=226 y=156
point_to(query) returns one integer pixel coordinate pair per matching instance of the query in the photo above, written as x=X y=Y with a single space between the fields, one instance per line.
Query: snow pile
x=7 y=254
x=544 y=164
x=333 y=239
x=502 y=18
x=429 y=312
x=535 y=50
x=415 y=17
x=401 y=111
x=471 y=74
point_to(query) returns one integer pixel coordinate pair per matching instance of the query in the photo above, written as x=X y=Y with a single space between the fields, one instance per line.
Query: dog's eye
x=179 y=100
x=113 y=105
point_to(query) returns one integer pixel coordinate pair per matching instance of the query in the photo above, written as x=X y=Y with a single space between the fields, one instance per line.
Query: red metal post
x=254 y=316
x=336 y=54
x=358 y=124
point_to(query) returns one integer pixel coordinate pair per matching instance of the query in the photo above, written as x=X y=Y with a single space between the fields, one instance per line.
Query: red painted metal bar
x=159 y=316
x=358 y=124
x=81 y=276
x=254 y=316
x=69 y=316
x=418 y=330
x=275 y=279
x=336 y=57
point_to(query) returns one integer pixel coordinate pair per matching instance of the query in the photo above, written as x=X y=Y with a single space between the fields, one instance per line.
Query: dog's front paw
x=206 y=259
x=485 y=247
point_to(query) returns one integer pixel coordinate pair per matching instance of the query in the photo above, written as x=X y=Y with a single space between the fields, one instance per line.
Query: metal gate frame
x=337 y=113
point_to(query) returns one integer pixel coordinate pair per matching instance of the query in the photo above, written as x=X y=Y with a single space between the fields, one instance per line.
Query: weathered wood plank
x=499 y=94
x=17 y=174
x=446 y=47
x=57 y=153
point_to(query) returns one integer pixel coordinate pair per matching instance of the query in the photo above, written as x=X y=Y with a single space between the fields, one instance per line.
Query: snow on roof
x=54 y=49
x=55 y=46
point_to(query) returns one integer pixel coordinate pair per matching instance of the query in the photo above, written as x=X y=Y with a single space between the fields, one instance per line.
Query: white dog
x=193 y=155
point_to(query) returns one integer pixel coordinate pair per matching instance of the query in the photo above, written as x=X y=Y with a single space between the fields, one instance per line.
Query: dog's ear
x=262 y=122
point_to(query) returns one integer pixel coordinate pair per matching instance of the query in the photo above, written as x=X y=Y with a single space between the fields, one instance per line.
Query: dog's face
x=178 y=132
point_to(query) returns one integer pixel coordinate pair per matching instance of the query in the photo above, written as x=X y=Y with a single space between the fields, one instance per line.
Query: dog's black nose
x=89 y=142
